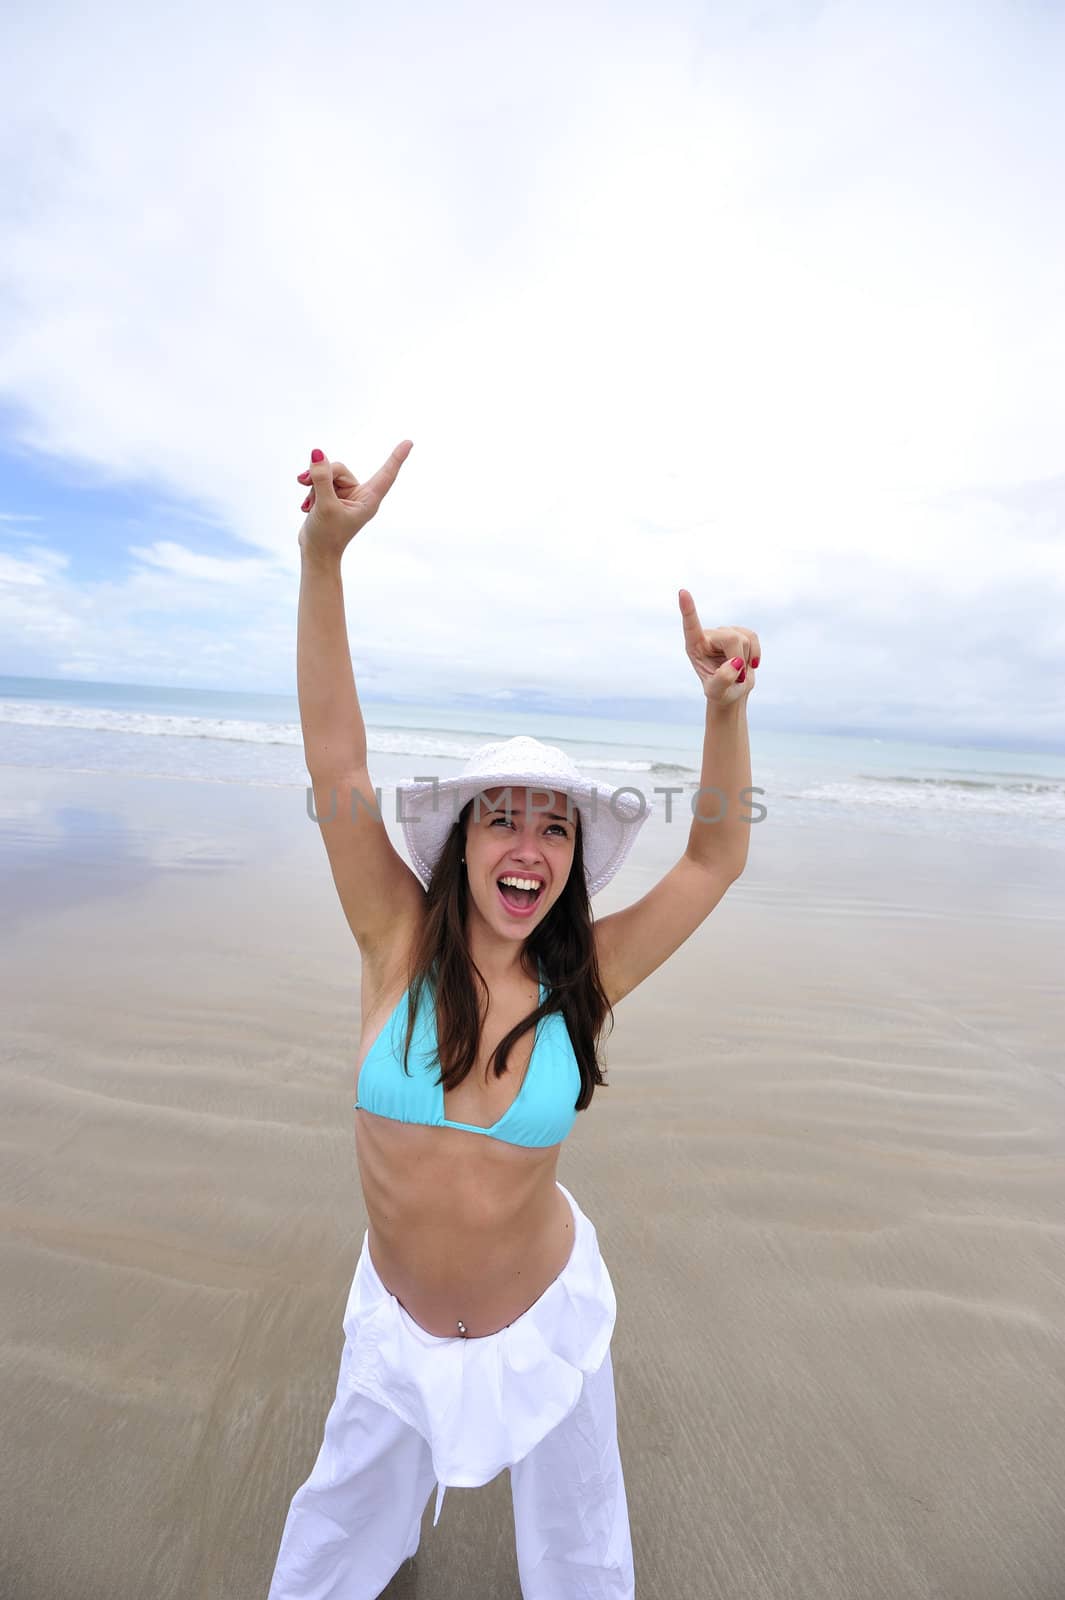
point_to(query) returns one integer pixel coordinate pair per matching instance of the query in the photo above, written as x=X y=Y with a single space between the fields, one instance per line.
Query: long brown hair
x=562 y=946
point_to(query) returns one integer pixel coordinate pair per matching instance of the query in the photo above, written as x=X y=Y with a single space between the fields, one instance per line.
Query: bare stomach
x=462 y=1228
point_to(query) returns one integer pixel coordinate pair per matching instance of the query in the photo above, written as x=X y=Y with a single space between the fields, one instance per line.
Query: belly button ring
x=462 y=1329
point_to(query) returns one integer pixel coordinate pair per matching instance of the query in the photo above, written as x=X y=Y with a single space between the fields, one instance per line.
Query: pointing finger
x=385 y=476
x=693 y=628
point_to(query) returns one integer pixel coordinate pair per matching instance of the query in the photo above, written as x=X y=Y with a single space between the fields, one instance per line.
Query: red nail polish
x=755 y=660
x=742 y=677
x=317 y=455
x=302 y=477
x=306 y=506
x=737 y=662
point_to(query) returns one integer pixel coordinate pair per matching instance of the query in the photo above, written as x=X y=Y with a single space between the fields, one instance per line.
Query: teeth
x=521 y=883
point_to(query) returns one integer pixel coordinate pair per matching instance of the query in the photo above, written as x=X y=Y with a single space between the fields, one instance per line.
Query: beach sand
x=827 y=1177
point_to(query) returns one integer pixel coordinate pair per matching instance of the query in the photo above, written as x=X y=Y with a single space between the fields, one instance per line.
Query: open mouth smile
x=520 y=895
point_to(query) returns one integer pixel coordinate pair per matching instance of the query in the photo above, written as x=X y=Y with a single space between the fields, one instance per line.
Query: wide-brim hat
x=610 y=818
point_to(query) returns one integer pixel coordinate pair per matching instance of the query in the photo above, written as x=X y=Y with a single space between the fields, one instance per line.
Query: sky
x=759 y=300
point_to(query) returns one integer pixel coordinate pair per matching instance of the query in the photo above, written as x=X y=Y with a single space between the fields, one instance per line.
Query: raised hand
x=724 y=658
x=338 y=505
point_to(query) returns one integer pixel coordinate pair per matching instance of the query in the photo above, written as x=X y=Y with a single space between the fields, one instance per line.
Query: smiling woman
x=479 y=1320
x=513 y=873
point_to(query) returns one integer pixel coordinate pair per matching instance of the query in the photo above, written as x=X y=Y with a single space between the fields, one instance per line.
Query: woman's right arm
x=382 y=899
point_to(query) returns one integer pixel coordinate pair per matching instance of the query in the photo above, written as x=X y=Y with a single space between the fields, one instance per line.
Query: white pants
x=413 y=1410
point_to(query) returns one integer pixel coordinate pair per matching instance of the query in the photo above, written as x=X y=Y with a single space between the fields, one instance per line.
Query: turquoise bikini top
x=542 y=1113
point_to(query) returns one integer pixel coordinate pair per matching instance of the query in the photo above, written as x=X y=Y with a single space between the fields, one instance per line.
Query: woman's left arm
x=632 y=943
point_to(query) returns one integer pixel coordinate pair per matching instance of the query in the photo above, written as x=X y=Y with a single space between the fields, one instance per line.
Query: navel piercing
x=462 y=1329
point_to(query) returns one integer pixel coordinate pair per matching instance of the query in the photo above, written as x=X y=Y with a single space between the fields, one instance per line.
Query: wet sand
x=828 y=1178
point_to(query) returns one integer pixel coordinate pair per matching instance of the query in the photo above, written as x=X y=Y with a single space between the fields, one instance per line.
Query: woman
x=478 y=1326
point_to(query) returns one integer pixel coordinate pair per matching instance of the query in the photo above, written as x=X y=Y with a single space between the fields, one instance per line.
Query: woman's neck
x=502 y=961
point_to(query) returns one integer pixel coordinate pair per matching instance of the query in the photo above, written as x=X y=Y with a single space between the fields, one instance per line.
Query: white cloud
x=765 y=305
x=34 y=570
x=170 y=557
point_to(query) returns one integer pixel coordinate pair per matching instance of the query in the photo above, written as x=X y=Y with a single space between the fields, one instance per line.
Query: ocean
x=884 y=785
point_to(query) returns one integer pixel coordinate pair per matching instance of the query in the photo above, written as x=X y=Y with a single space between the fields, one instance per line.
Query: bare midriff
x=463 y=1228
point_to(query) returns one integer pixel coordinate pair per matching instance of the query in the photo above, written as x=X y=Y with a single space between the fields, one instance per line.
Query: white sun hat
x=610 y=818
